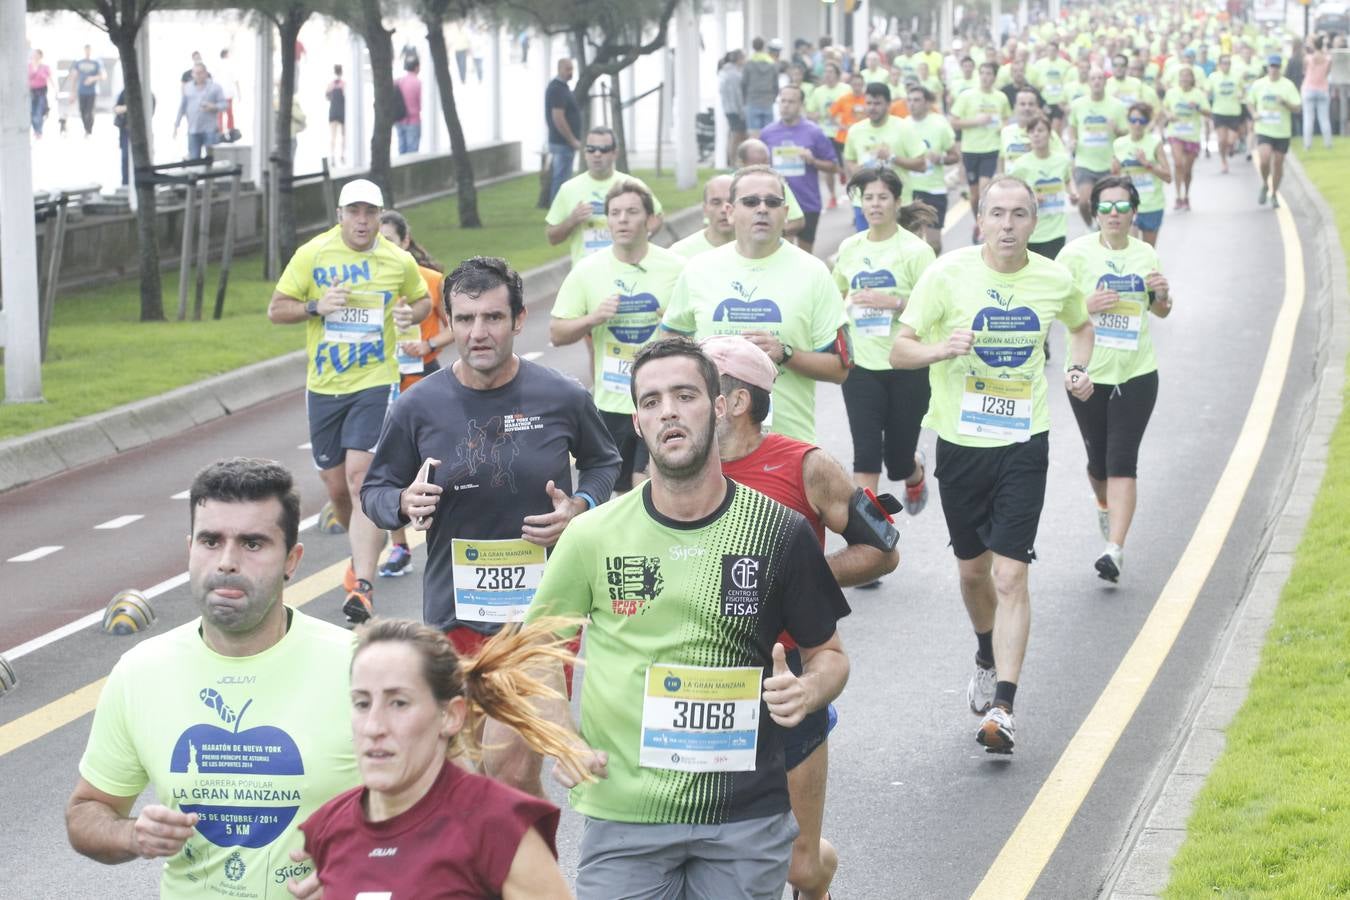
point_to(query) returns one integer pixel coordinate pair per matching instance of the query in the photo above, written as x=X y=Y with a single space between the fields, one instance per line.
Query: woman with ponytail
x=422 y=825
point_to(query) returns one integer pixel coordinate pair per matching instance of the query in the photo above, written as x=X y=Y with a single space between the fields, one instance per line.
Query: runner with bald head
x=717 y=215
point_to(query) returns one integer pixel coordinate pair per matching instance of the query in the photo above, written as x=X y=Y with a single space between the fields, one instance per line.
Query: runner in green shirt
x=1095 y=121
x=1050 y=75
x=616 y=297
x=1140 y=156
x=941 y=150
x=1048 y=172
x=1271 y=99
x=769 y=291
x=1120 y=277
x=881 y=141
x=1226 y=92
x=1184 y=109
x=717 y=213
x=1124 y=86
x=978 y=318
x=577 y=214
x=875 y=272
x=979 y=116
x=686 y=585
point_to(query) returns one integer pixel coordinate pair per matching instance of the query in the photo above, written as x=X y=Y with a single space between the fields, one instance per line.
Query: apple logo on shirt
x=240 y=811
x=746 y=310
x=630 y=303
x=1013 y=332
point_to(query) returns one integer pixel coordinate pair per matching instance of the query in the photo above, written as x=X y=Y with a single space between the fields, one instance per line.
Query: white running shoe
x=1110 y=563
x=996 y=731
x=980 y=691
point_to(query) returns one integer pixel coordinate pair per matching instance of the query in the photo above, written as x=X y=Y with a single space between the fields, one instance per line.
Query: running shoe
x=1178 y=204
x=996 y=731
x=916 y=495
x=1261 y=197
x=360 y=605
x=1109 y=563
x=1274 y=201
x=349 y=578
x=1104 y=522
x=398 y=563
x=980 y=691
x=834 y=202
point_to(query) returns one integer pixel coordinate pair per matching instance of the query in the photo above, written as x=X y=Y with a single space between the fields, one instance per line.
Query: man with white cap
x=805 y=478
x=353 y=289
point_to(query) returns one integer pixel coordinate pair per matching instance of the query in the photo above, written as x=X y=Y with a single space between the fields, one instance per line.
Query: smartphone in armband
x=872 y=512
x=843 y=346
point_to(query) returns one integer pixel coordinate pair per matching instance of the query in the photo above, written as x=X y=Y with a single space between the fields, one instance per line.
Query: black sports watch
x=312 y=307
x=787 y=353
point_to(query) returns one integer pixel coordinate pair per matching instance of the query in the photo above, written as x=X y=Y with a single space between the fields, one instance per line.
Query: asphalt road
x=915 y=808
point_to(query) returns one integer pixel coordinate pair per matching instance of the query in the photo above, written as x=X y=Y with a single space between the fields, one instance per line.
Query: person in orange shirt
x=850 y=108
x=435 y=334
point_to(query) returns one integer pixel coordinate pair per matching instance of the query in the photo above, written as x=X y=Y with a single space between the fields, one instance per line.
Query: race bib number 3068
x=699 y=719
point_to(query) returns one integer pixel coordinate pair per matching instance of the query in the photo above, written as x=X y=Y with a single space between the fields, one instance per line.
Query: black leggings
x=1049 y=249
x=1112 y=422
x=885 y=409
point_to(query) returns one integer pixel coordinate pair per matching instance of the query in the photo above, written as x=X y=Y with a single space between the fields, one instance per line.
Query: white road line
x=119 y=522
x=93 y=618
x=305 y=446
x=35 y=554
x=181 y=495
x=533 y=355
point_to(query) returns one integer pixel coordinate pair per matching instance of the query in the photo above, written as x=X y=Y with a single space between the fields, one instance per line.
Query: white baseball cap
x=361 y=191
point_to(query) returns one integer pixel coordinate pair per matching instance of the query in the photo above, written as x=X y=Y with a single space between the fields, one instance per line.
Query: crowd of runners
x=669 y=523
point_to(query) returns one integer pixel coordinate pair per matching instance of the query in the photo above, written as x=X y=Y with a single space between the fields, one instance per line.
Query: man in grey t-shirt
x=202 y=100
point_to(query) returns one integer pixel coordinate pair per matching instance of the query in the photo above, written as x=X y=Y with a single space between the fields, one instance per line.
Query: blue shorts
x=859 y=220
x=758 y=117
x=802 y=739
x=342 y=422
x=1148 y=221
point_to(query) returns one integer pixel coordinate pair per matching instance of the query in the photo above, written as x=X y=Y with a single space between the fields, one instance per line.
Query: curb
x=1144 y=867
x=104 y=435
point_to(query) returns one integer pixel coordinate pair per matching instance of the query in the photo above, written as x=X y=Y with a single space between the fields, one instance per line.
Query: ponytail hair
x=404 y=232
x=498 y=682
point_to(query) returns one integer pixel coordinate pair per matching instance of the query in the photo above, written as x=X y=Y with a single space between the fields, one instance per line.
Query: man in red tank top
x=807 y=479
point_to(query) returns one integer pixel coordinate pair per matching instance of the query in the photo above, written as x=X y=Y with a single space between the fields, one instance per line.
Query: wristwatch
x=787 y=353
x=312 y=307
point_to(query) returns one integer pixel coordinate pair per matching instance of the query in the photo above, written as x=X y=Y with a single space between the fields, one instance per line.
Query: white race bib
x=698 y=719
x=616 y=367
x=495 y=580
x=360 y=321
x=1118 y=327
x=870 y=321
x=408 y=365
x=788 y=161
x=998 y=408
x=593 y=240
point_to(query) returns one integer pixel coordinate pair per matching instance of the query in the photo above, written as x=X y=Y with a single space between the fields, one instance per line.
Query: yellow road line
x=61 y=712
x=1024 y=856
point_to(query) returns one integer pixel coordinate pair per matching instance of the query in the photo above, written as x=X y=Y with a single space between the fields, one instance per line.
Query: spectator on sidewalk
x=39 y=86
x=563 y=117
x=759 y=88
x=410 y=126
x=85 y=74
x=229 y=85
x=733 y=101
x=202 y=99
x=336 y=95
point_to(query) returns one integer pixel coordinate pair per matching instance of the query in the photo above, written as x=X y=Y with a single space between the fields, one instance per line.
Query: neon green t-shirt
x=1050 y=76
x=691 y=246
x=974 y=103
x=1011 y=316
x=865 y=139
x=1129 y=91
x=643 y=289
x=961 y=84
x=682 y=614
x=1049 y=178
x=592 y=235
x=253 y=745
x=1014 y=142
x=1226 y=91
x=1267 y=99
x=876 y=76
x=788 y=294
x=1185 y=113
x=1123 y=348
x=353 y=348
x=819 y=103
x=936 y=134
x=1135 y=157
x=892 y=266
x=1097 y=123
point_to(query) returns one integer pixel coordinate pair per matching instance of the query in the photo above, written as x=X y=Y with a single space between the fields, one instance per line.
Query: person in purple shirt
x=410 y=126
x=800 y=152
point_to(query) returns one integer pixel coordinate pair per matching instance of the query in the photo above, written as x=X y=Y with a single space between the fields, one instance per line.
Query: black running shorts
x=992 y=496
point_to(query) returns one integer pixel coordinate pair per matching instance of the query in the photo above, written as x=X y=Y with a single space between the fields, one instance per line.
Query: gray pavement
x=916 y=809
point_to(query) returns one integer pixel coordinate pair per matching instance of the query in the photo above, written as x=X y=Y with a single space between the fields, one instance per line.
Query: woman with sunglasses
x=1049 y=172
x=421 y=825
x=1185 y=108
x=1119 y=275
x=1140 y=156
x=875 y=271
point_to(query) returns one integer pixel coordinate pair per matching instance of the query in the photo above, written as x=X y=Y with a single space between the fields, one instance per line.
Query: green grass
x=1273 y=819
x=99 y=356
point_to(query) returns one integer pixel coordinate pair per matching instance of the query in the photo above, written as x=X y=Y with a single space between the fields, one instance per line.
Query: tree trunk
x=585 y=79
x=466 y=194
x=152 y=292
x=616 y=114
x=380 y=45
x=283 y=169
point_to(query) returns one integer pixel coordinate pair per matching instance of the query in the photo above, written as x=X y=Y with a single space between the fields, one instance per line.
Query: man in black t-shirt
x=563 y=117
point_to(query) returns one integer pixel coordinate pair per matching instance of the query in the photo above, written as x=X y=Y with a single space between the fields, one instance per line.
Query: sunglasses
x=753 y=201
x=595 y=148
x=1138 y=120
x=1120 y=206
